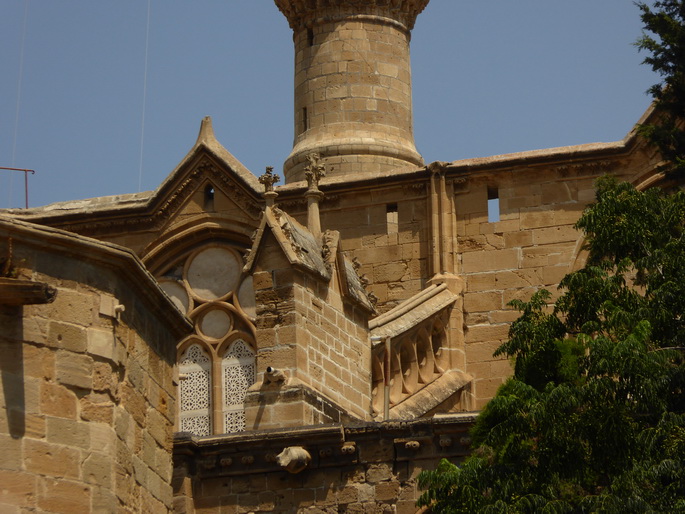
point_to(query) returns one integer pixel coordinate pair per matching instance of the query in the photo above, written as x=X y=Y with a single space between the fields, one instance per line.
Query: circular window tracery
x=214 y=323
x=212 y=273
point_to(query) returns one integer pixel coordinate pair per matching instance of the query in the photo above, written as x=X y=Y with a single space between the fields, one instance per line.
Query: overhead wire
x=17 y=109
x=142 y=122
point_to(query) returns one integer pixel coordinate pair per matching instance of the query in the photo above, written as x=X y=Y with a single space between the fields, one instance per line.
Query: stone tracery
x=218 y=362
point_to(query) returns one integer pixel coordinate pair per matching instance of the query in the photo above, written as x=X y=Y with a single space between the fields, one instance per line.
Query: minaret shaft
x=353 y=101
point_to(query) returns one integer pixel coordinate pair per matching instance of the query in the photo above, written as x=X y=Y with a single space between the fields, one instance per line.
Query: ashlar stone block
x=74 y=369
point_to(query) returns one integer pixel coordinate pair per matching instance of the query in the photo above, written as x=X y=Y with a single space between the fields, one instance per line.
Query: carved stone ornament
x=348 y=448
x=445 y=441
x=314 y=171
x=269 y=179
x=586 y=168
x=294 y=459
x=437 y=167
x=412 y=445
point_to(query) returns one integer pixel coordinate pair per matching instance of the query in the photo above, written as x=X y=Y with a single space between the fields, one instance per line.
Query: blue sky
x=489 y=77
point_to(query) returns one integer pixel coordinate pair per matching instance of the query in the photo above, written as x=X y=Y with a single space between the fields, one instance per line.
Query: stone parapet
x=301 y=13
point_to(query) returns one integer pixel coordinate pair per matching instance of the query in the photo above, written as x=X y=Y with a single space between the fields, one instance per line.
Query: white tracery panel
x=195 y=385
x=238 y=372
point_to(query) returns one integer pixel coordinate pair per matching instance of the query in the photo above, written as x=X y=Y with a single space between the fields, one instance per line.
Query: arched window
x=217 y=364
x=195 y=391
x=238 y=370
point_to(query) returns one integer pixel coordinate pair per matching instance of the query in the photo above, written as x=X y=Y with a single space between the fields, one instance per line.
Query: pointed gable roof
x=298 y=244
x=304 y=251
x=206 y=157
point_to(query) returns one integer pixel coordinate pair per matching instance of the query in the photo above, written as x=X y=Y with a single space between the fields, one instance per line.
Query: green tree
x=593 y=419
x=664 y=39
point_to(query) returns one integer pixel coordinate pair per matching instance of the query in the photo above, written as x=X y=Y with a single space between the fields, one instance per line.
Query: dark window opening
x=209 y=198
x=392 y=218
x=310 y=37
x=305 y=121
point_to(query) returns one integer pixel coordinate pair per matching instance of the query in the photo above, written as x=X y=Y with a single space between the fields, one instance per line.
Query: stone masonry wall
x=305 y=329
x=532 y=246
x=87 y=401
x=393 y=257
x=335 y=337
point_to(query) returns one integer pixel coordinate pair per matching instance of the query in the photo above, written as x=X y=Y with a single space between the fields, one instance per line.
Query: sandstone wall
x=306 y=329
x=88 y=400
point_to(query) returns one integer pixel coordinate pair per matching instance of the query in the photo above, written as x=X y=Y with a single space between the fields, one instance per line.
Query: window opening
x=209 y=198
x=217 y=364
x=493 y=205
x=310 y=36
x=195 y=387
x=238 y=372
x=392 y=218
x=305 y=120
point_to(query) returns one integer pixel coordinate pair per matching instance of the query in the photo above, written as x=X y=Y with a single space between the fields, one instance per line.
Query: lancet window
x=217 y=363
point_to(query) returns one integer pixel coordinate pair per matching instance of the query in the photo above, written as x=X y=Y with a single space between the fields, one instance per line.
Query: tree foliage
x=593 y=419
x=664 y=39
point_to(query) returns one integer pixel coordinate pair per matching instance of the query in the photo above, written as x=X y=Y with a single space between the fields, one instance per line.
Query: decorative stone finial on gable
x=268 y=180
x=315 y=170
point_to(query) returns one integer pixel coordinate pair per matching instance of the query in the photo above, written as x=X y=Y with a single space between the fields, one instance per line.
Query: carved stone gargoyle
x=294 y=459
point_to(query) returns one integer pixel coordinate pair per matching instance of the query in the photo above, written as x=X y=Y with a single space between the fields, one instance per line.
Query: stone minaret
x=353 y=102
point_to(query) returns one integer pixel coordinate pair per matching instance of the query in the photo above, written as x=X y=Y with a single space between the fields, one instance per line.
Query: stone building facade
x=312 y=345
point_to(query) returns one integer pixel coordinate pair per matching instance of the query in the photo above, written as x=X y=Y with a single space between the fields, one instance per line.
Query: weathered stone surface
x=74 y=369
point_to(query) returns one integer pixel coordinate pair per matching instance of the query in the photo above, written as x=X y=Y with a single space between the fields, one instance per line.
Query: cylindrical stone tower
x=352 y=85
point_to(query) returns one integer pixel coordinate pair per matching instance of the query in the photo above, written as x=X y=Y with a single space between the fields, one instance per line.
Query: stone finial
x=314 y=171
x=268 y=180
x=206 y=134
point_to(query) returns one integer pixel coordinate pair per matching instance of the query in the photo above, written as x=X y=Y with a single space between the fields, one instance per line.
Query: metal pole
x=26 y=180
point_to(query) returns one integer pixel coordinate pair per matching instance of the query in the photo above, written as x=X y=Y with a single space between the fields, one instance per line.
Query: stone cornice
x=300 y=13
x=333 y=445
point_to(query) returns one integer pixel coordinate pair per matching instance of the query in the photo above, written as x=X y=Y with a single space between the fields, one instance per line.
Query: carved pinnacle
x=269 y=179
x=314 y=171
